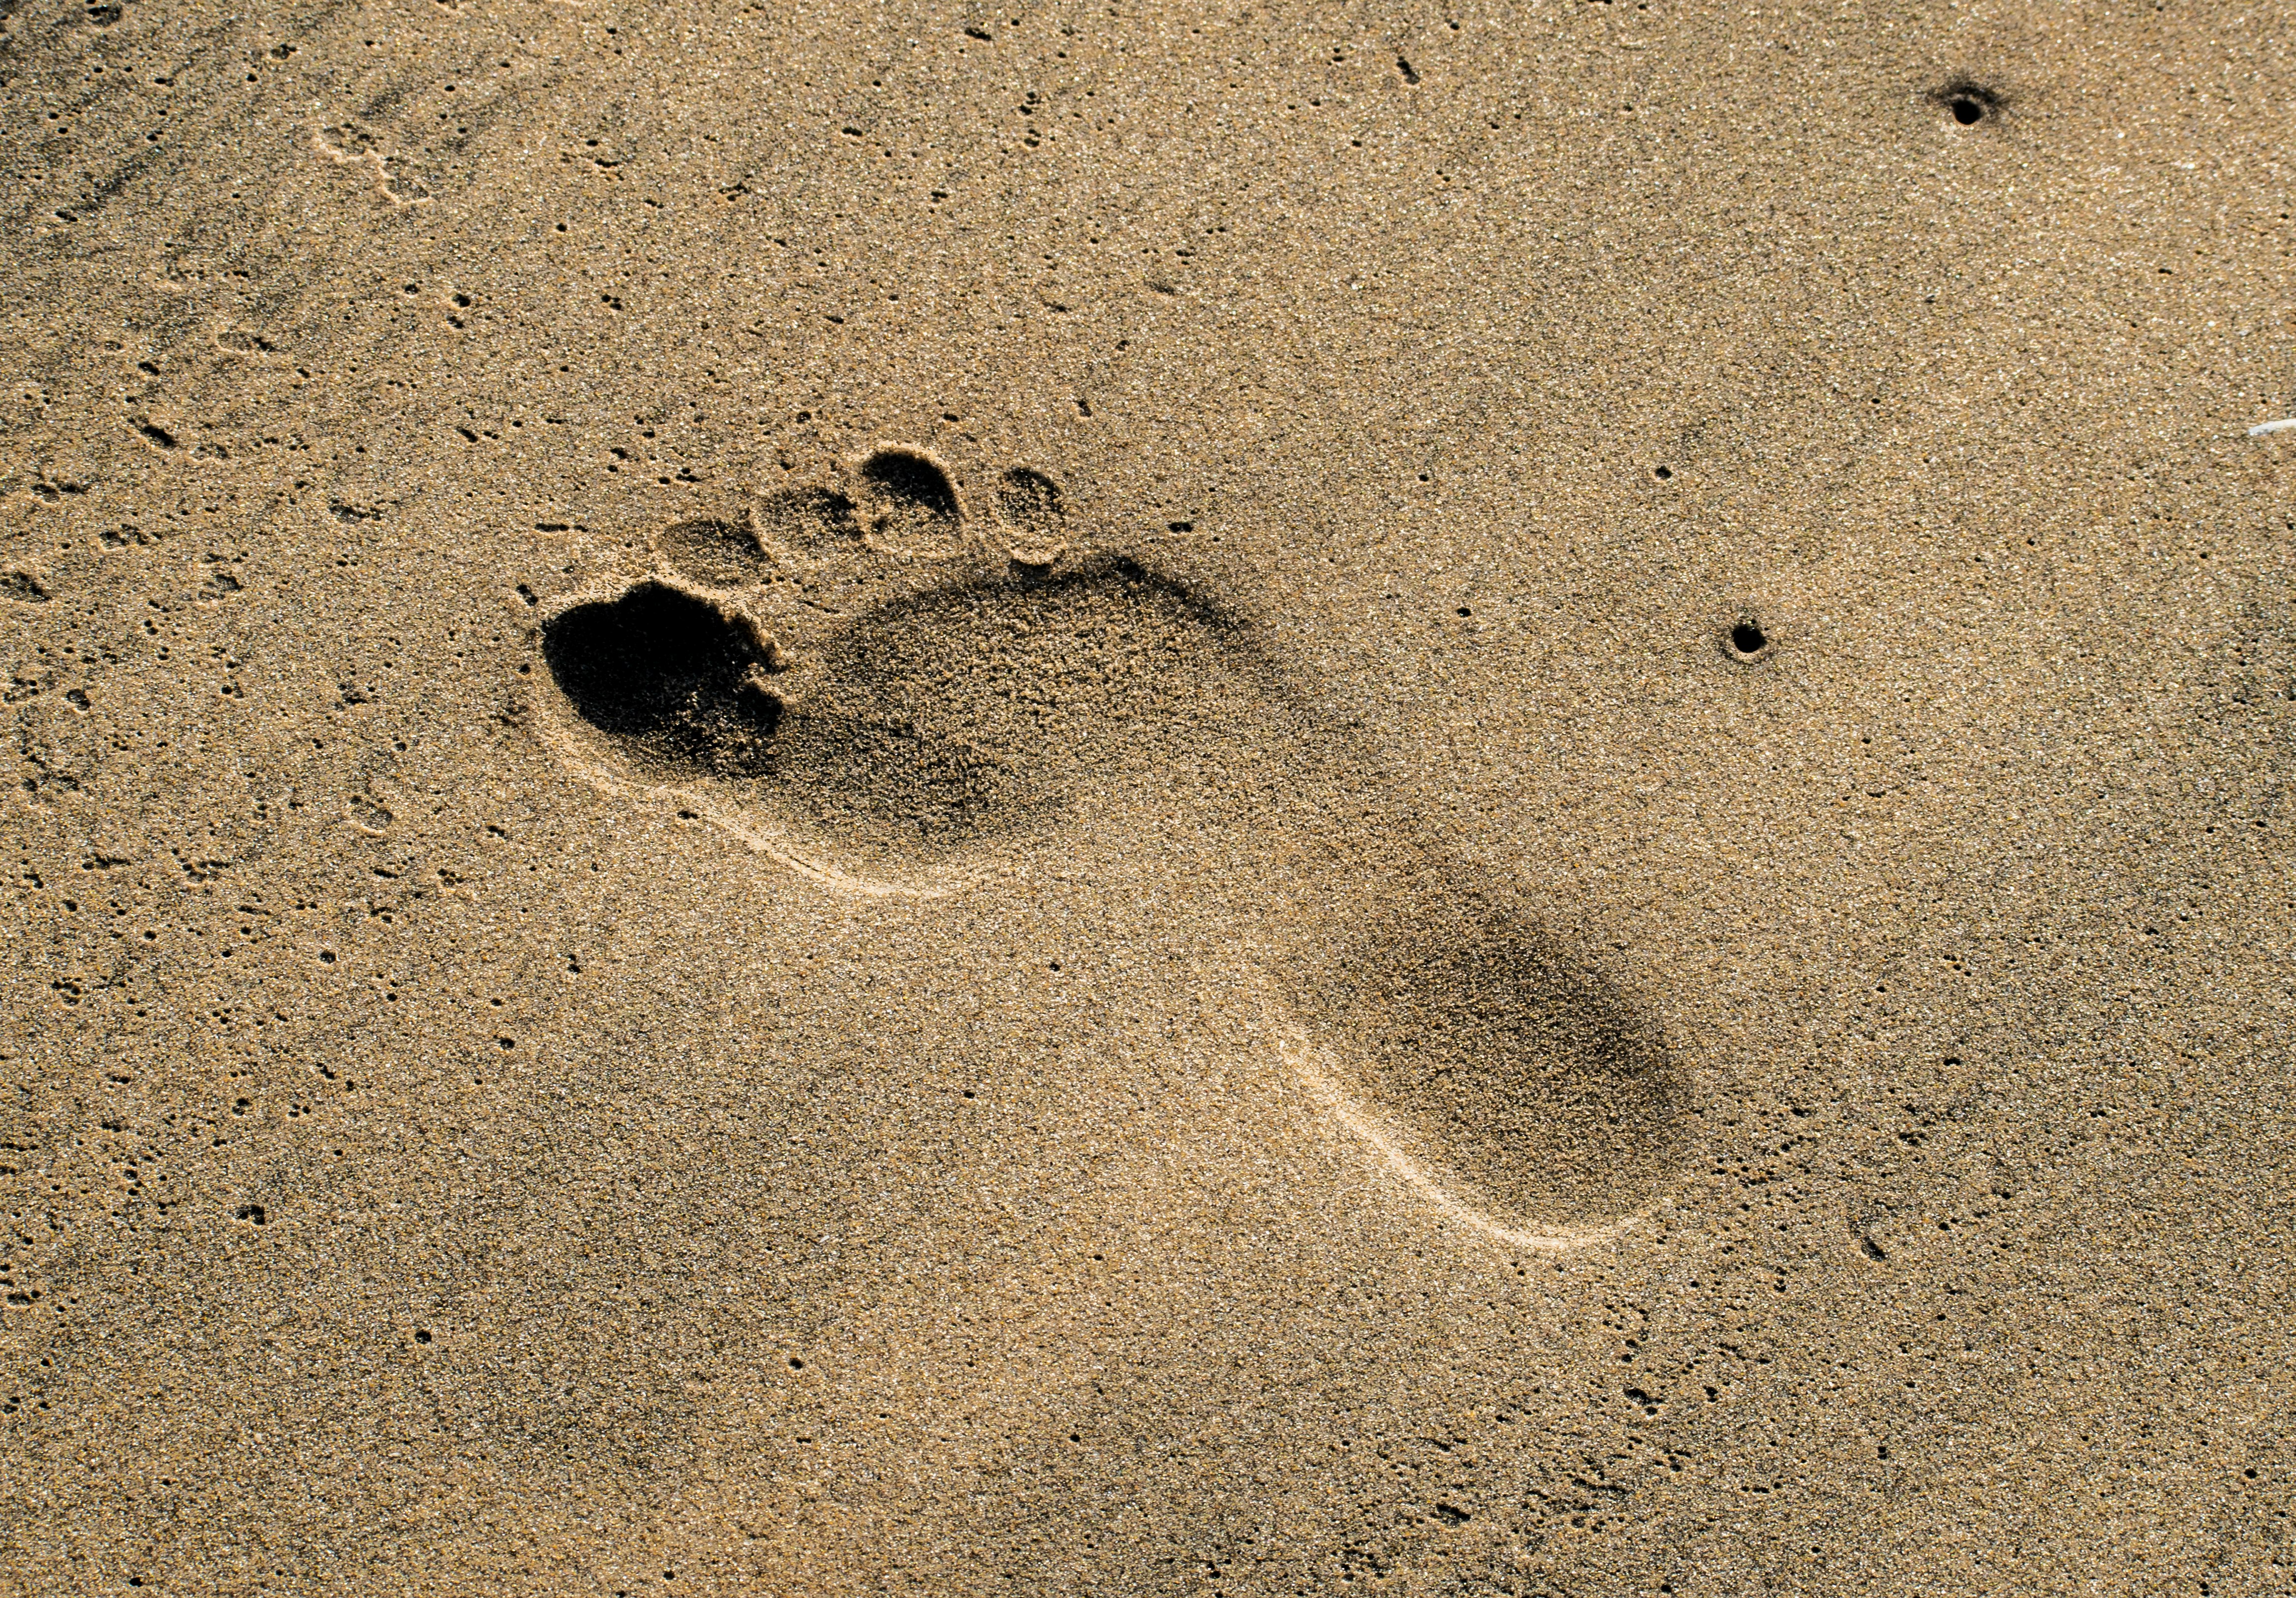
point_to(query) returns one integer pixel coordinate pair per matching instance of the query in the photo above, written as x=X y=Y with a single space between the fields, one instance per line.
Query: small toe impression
x=675 y=682
x=1029 y=504
x=1031 y=501
x=716 y=554
x=913 y=506
x=808 y=522
x=1536 y=1094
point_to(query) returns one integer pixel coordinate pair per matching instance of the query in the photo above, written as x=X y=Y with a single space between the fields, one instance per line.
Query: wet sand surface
x=1126 y=798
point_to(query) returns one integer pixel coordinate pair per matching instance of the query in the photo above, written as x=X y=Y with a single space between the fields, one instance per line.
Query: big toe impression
x=671 y=679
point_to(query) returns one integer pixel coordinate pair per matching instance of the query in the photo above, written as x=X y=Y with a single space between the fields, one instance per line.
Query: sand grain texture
x=1147 y=800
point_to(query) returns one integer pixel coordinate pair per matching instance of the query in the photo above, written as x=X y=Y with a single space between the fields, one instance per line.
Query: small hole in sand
x=1966 y=102
x=1662 y=472
x=1748 y=638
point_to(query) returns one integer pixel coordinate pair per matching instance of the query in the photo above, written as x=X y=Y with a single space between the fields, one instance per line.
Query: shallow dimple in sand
x=1110 y=799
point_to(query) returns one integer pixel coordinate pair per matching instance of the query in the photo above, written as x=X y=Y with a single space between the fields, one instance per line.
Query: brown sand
x=1079 y=797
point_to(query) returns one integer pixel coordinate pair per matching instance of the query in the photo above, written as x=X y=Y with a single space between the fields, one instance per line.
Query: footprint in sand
x=888 y=695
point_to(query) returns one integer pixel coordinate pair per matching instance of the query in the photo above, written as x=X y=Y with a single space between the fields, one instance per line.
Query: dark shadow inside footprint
x=676 y=681
x=1535 y=1085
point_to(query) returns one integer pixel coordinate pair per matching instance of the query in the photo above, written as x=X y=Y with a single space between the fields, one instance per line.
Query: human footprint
x=889 y=689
